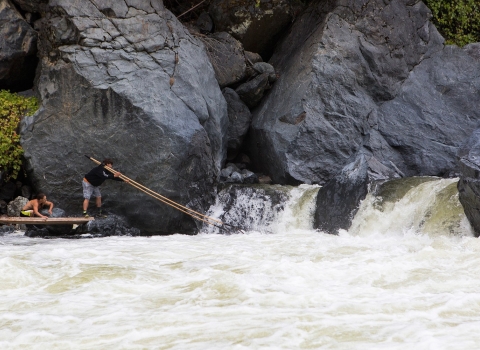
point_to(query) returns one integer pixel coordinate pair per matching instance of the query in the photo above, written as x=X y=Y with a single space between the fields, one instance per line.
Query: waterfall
x=425 y=205
x=267 y=208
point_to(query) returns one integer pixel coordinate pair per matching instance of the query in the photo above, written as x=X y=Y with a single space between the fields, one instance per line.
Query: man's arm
x=116 y=177
x=51 y=207
x=35 y=211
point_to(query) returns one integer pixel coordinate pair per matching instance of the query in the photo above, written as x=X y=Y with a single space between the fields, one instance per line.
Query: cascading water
x=419 y=205
x=404 y=275
x=265 y=208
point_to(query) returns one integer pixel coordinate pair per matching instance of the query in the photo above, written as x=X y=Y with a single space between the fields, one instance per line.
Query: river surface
x=403 y=283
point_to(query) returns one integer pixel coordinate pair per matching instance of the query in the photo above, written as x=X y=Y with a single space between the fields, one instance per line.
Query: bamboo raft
x=39 y=221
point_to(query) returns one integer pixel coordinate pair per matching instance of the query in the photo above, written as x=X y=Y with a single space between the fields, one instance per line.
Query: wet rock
x=249 y=177
x=15 y=206
x=252 y=91
x=112 y=225
x=469 y=182
x=239 y=117
x=36 y=231
x=339 y=199
x=18 y=48
x=5 y=229
x=225 y=173
x=52 y=230
x=235 y=177
x=226 y=55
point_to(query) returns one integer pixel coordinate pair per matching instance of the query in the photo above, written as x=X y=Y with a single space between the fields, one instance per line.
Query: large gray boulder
x=469 y=183
x=125 y=80
x=371 y=74
x=18 y=48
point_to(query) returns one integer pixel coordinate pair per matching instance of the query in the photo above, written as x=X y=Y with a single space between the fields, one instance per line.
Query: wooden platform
x=40 y=221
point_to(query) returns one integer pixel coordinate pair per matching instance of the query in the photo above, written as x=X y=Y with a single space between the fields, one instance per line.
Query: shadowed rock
x=18 y=48
x=31 y=5
x=252 y=91
x=205 y=23
x=256 y=24
x=239 y=117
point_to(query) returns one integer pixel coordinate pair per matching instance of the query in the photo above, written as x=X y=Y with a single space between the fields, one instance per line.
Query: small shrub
x=457 y=20
x=12 y=108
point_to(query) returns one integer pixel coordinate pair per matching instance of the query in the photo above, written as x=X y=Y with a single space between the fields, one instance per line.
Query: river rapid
x=405 y=275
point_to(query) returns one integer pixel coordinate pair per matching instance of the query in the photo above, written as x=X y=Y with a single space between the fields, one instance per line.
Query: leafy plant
x=457 y=20
x=12 y=108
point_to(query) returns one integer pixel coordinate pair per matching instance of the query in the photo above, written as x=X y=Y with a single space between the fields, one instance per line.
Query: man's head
x=41 y=197
x=107 y=162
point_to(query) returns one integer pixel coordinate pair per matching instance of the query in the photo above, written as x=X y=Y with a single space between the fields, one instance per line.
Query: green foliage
x=12 y=108
x=457 y=20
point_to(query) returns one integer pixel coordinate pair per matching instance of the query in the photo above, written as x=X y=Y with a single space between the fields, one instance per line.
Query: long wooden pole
x=196 y=215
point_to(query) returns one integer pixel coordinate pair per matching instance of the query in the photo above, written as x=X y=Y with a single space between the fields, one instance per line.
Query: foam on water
x=296 y=288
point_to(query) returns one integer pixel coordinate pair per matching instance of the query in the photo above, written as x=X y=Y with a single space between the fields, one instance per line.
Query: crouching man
x=33 y=206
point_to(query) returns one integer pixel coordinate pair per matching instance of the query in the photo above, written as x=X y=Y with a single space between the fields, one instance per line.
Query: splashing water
x=404 y=276
x=418 y=205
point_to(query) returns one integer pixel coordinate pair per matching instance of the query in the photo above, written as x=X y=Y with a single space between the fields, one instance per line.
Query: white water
x=393 y=285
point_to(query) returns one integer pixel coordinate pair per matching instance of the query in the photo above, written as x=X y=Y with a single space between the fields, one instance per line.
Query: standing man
x=93 y=180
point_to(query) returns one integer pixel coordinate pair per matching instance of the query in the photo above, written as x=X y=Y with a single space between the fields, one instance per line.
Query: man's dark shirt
x=98 y=175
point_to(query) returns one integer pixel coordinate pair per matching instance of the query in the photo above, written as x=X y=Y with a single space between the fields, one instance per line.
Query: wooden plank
x=40 y=221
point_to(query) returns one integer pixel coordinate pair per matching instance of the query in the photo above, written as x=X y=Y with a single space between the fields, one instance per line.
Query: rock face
x=18 y=48
x=255 y=23
x=125 y=80
x=469 y=183
x=365 y=74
